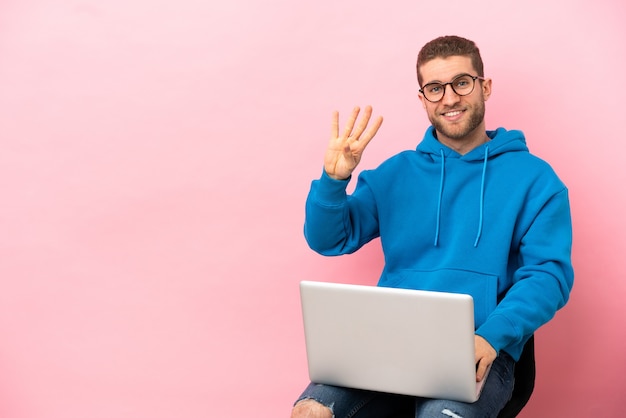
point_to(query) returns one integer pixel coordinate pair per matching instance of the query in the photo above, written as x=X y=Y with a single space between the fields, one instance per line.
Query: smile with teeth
x=453 y=113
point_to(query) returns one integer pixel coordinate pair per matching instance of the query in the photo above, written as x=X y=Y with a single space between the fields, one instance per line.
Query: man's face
x=456 y=118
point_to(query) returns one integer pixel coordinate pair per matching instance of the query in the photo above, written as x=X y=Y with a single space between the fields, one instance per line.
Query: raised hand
x=344 y=151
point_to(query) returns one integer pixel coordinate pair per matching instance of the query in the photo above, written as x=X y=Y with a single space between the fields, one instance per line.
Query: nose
x=449 y=95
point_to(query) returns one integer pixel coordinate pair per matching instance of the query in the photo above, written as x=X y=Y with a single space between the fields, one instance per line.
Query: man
x=469 y=211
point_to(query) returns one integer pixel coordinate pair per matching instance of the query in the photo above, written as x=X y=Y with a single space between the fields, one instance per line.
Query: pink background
x=155 y=157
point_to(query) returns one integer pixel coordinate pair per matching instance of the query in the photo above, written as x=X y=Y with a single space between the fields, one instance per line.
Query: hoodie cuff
x=494 y=331
x=331 y=192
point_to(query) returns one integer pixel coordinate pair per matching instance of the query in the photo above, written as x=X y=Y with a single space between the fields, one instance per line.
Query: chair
x=524 y=381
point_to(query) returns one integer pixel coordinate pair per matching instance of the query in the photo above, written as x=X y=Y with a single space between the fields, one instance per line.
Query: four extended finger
x=369 y=134
x=357 y=138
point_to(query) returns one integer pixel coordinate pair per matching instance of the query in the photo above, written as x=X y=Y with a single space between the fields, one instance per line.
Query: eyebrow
x=441 y=82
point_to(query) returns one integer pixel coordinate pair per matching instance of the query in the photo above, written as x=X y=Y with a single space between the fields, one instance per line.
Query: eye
x=433 y=88
x=463 y=82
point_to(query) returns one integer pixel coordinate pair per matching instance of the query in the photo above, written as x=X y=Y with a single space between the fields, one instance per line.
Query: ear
x=486 y=84
x=422 y=99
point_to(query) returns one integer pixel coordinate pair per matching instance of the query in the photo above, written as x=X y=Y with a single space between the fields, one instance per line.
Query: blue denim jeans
x=356 y=403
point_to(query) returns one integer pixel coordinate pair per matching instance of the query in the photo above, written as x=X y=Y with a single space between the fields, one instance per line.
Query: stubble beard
x=456 y=131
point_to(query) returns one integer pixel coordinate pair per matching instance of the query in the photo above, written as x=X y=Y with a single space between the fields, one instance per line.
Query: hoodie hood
x=500 y=142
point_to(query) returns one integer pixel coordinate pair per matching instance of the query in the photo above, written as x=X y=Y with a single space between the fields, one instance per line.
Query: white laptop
x=408 y=342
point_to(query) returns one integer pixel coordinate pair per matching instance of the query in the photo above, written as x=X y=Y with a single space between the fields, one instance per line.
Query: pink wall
x=155 y=157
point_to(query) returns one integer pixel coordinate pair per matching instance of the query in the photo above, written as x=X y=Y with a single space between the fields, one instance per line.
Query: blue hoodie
x=494 y=223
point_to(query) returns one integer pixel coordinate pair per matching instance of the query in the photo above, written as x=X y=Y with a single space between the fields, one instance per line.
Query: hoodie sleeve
x=336 y=223
x=543 y=281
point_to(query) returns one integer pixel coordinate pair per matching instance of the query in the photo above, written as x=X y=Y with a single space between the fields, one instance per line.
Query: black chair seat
x=524 y=381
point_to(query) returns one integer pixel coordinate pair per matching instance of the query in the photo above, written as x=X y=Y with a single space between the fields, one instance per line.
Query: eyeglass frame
x=450 y=83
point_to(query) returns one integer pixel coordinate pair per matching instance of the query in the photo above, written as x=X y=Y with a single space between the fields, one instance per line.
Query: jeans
x=356 y=403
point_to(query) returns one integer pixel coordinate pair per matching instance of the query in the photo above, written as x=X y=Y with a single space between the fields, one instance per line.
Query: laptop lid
x=402 y=341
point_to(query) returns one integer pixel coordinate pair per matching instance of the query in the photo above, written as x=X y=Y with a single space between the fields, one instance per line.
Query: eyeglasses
x=462 y=85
